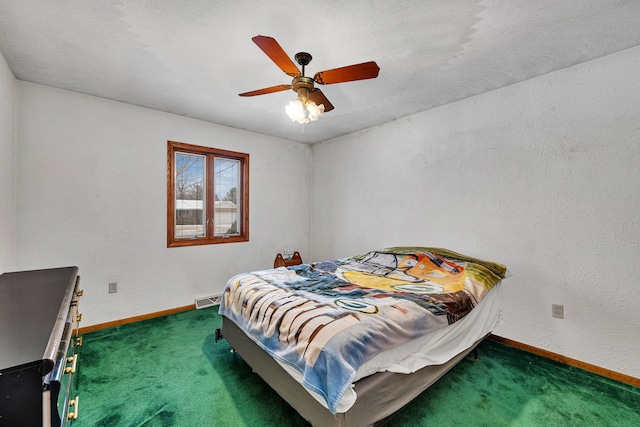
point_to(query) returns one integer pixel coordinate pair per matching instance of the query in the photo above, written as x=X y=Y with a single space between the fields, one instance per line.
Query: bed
x=348 y=342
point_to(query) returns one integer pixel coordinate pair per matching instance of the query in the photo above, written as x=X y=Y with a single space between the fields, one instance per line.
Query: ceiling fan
x=311 y=102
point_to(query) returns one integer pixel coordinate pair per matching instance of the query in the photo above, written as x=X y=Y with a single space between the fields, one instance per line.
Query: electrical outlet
x=288 y=252
x=113 y=287
x=557 y=310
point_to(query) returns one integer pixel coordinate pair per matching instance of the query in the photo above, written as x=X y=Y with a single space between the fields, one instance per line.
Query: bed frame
x=379 y=395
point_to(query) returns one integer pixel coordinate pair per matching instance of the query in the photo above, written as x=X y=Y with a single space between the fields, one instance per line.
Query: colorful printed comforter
x=326 y=319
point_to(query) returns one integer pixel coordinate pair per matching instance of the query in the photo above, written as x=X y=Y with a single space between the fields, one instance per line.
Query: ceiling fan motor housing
x=302 y=86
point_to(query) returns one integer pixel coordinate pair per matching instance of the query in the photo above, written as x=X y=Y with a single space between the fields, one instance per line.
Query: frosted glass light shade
x=314 y=110
x=296 y=112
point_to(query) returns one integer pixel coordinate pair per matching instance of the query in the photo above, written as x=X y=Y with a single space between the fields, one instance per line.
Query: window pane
x=190 y=195
x=227 y=190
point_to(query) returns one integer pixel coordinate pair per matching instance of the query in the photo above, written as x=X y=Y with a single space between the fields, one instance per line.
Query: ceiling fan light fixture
x=304 y=111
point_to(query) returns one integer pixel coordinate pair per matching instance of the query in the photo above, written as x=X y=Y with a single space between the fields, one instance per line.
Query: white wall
x=543 y=176
x=92 y=192
x=7 y=169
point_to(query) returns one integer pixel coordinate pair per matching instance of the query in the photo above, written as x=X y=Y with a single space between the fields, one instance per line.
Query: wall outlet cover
x=557 y=311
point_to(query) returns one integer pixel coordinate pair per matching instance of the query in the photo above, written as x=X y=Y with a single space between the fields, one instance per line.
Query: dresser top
x=33 y=311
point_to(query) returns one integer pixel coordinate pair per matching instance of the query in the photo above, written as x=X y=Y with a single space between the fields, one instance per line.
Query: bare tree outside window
x=189 y=204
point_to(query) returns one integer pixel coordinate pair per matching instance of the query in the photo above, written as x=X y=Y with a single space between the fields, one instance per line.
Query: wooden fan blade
x=270 y=46
x=266 y=90
x=318 y=97
x=366 y=70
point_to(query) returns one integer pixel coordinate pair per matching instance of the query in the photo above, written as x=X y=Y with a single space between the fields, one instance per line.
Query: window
x=207 y=195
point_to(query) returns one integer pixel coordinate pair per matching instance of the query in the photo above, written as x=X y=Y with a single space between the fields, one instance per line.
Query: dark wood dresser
x=38 y=347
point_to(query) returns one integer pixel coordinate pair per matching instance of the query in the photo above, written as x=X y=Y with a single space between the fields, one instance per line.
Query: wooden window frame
x=209 y=238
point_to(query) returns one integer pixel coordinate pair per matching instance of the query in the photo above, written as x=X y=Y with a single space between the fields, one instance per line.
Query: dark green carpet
x=169 y=372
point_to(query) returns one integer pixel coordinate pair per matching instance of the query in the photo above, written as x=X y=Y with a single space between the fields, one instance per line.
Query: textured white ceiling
x=193 y=57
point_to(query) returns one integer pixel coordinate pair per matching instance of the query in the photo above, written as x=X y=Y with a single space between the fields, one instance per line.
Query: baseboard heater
x=209 y=301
